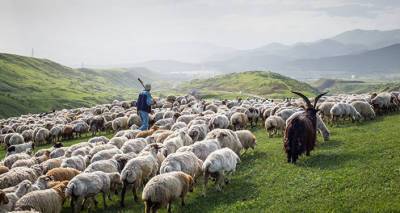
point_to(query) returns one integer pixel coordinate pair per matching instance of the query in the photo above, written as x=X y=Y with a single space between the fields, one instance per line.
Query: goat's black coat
x=301 y=131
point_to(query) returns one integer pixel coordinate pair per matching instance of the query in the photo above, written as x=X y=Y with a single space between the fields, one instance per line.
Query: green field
x=358 y=170
x=33 y=85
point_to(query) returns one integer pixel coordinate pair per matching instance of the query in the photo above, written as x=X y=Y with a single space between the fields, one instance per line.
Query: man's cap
x=147 y=87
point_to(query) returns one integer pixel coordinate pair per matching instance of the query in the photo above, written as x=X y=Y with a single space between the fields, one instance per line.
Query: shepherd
x=143 y=105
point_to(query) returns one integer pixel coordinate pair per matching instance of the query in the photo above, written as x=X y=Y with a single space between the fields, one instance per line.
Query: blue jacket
x=144 y=101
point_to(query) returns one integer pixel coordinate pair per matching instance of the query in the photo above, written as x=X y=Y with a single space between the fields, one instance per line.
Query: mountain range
x=350 y=52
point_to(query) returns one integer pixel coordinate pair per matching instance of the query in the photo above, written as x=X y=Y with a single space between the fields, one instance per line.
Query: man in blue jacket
x=143 y=105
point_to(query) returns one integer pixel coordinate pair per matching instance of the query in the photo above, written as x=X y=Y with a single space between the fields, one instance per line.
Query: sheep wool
x=163 y=189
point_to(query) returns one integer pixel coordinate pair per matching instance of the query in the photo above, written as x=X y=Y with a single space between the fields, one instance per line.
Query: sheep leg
x=135 y=197
x=74 y=201
x=169 y=206
x=220 y=178
x=95 y=202
x=155 y=207
x=77 y=204
x=183 y=200
x=104 y=200
x=206 y=176
x=147 y=206
x=123 y=195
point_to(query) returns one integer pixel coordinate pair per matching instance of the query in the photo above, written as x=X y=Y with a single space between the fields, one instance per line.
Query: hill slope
x=252 y=83
x=38 y=85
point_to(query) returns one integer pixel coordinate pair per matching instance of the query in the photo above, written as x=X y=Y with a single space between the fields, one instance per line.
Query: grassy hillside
x=252 y=83
x=356 y=171
x=38 y=85
x=336 y=86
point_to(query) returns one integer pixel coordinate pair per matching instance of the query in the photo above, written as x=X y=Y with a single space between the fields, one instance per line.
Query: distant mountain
x=275 y=55
x=337 y=86
x=373 y=39
x=167 y=66
x=385 y=60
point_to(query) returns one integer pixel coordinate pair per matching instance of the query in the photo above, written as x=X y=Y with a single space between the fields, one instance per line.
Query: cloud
x=112 y=32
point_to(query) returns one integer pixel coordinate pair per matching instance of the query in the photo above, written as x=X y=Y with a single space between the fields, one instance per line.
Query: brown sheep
x=144 y=134
x=68 y=132
x=3 y=169
x=62 y=174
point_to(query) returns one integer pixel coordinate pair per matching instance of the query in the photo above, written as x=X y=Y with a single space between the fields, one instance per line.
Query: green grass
x=251 y=83
x=356 y=171
x=32 y=85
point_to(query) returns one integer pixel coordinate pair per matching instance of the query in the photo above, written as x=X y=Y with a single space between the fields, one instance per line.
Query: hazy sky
x=99 y=32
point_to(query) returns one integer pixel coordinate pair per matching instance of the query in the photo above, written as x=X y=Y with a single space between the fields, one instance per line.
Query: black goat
x=301 y=131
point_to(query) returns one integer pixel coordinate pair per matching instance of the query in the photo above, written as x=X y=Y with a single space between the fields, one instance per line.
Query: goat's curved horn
x=318 y=97
x=304 y=98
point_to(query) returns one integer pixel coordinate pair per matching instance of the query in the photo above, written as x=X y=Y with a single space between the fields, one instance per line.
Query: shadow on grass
x=327 y=161
x=242 y=188
x=329 y=144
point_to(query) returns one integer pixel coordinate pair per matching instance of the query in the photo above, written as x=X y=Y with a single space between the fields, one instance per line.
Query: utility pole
x=33 y=53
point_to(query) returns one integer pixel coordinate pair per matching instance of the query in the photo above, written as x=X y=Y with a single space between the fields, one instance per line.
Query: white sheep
x=118 y=141
x=174 y=142
x=274 y=124
x=134 y=145
x=18 y=174
x=88 y=185
x=365 y=109
x=107 y=166
x=19 y=148
x=285 y=113
x=13 y=197
x=138 y=170
x=186 y=162
x=238 y=120
x=120 y=123
x=46 y=201
x=16 y=139
x=105 y=154
x=198 y=132
x=217 y=163
x=226 y=138
x=76 y=162
x=325 y=109
x=247 y=139
x=178 y=125
x=202 y=148
x=219 y=121
x=42 y=136
x=99 y=139
x=10 y=160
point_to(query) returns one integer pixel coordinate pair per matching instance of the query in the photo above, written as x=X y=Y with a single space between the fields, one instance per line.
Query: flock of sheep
x=189 y=139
